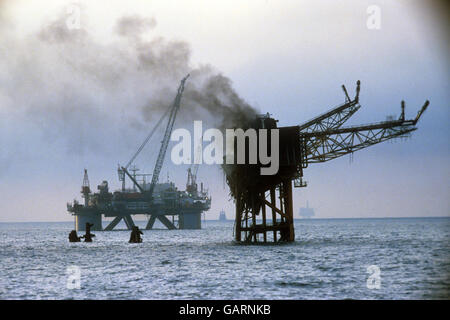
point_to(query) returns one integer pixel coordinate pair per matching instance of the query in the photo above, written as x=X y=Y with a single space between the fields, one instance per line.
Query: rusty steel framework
x=278 y=200
x=318 y=140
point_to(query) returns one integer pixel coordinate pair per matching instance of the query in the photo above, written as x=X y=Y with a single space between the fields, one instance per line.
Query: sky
x=79 y=98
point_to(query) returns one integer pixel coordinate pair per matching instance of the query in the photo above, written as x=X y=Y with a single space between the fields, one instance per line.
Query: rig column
x=287 y=188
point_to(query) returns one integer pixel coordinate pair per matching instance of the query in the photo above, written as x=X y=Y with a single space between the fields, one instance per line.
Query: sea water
x=405 y=258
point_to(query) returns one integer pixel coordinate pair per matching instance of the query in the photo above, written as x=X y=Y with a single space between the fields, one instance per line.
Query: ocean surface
x=329 y=260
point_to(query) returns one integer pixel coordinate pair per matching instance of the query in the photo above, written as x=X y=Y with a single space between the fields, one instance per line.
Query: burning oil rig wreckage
x=156 y=200
x=318 y=140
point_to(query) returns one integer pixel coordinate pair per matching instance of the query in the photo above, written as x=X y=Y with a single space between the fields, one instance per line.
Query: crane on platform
x=120 y=170
x=318 y=140
x=123 y=170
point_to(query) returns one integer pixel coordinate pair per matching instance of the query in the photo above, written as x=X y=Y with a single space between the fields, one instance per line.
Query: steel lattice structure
x=331 y=144
x=318 y=140
x=335 y=117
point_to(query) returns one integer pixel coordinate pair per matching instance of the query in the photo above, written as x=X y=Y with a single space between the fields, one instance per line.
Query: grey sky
x=288 y=58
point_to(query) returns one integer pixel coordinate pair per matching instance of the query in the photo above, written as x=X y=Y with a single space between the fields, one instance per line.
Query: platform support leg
x=263 y=207
x=255 y=202
x=128 y=221
x=274 y=214
x=150 y=222
x=113 y=223
x=238 y=221
x=287 y=187
x=166 y=222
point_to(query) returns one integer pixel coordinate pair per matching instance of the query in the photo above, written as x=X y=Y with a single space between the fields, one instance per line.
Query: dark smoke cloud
x=82 y=92
x=217 y=96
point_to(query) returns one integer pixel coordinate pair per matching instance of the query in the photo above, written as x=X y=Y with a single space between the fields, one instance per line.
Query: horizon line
x=295 y=218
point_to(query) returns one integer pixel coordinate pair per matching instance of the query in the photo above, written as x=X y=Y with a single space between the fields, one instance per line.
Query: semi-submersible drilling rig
x=318 y=140
x=156 y=200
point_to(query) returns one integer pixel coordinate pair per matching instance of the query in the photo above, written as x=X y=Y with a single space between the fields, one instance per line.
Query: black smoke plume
x=84 y=92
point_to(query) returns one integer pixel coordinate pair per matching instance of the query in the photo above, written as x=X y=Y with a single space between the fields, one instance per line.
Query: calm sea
x=409 y=259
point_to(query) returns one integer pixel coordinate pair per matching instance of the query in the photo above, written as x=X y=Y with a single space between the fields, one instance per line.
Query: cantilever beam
x=333 y=143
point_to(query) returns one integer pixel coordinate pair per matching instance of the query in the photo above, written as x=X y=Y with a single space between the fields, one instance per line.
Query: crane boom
x=147 y=138
x=166 y=139
x=122 y=171
x=164 y=144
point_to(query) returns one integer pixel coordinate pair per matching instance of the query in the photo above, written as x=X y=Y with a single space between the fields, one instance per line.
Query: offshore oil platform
x=147 y=196
x=222 y=216
x=318 y=140
x=306 y=212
